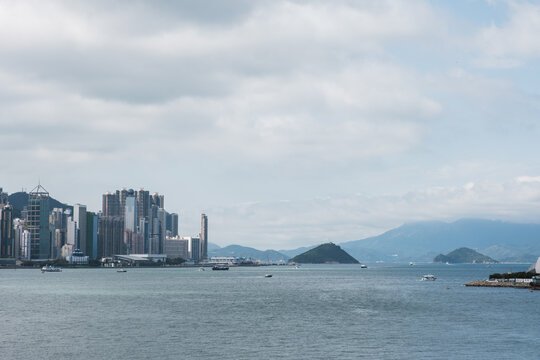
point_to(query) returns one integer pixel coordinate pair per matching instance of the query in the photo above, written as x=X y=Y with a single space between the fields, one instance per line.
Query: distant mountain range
x=294 y=252
x=422 y=241
x=248 y=252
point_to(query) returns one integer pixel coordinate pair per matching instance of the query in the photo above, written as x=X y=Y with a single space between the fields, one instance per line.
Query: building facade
x=38 y=223
x=176 y=247
x=204 y=237
x=6 y=231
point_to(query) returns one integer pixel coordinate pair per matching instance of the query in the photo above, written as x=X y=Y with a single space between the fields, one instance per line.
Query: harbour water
x=315 y=312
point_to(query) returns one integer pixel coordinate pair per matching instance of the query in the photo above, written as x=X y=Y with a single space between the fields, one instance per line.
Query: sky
x=289 y=123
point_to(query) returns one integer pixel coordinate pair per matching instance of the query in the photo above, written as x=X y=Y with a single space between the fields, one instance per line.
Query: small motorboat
x=268 y=275
x=363 y=266
x=429 y=277
x=121 y=270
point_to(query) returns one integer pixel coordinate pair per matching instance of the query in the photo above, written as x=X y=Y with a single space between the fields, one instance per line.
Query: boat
x=50 y=268
x=201 y=269
x=428 y=277
x=411 y=263
x=268 y=275
x=121 y=270
x=363 y=266
x=297 y=266
x=220 y=267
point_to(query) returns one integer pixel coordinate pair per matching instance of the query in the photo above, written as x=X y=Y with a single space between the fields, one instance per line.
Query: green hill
x=464 y=256
x=325 y=253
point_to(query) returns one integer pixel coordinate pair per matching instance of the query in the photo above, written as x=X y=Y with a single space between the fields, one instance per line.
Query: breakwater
x=486 y=283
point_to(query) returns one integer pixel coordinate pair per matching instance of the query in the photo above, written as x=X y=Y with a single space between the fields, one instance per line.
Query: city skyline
x=289 y=123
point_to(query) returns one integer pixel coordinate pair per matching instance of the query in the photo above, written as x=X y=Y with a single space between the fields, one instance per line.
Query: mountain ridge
x=422 y=241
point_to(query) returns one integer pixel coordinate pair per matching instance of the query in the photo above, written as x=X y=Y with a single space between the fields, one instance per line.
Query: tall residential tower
x=38 y=223
x=204 y=237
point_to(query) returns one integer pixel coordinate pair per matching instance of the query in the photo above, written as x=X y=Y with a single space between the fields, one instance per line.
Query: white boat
x=411 y=263
x=268 y=275
x=363 y=266
x=201 y=269
x=50 y=268
x=428 y=277
x=121 y=270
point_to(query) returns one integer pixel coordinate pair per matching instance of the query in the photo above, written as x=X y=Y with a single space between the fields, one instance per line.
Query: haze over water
x=315 y=312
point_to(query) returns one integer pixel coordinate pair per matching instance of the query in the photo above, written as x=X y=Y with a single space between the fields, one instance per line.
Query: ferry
x=220 y=267
x=428 y=277
x=50 y=268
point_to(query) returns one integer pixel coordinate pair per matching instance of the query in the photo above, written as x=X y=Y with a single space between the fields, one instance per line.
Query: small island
x=464 y=256
x=328 y=253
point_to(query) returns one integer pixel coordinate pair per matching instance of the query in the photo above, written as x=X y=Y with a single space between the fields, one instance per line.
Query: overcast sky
x=289 y=123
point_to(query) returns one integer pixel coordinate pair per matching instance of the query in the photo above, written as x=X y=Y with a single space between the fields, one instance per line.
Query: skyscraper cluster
x=136 y=223
x=130 y=222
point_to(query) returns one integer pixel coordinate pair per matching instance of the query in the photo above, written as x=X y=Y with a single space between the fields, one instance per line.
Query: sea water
x=314 y=312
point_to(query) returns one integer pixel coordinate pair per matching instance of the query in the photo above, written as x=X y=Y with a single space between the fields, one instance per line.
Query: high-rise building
x=6 y=231
x=130 y=223
x=71 y=232
x=20 y=242
x=26 y=245
x=91 y=235
x=130 y=214
x=38 y=223
x=3 y=197
x=204 y=237
x=122 y=195
x=154 y=231
x=110 y=205
x=57 y=227
x=158 y=200
x=162 y=216
x=143 y=204
x=110 y=236
x=174 y=224
x=79 y=216
x=144 y=230
x=194 y=248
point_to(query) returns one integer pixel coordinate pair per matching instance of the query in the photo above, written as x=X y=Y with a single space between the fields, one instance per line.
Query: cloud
x=284 y=79
x=255 y=100
x=514 y=42
x=528 y=179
